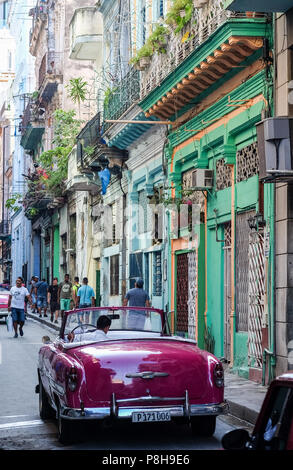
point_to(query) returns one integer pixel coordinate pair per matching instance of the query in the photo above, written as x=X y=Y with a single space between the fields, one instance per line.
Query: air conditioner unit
x=202 y=178
x=275 y=149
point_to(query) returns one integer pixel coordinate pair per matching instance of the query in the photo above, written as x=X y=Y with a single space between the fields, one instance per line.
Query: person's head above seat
x=139 y=283
x=104 y=323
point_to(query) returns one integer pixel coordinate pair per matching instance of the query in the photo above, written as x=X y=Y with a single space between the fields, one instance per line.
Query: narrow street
x=22 y=429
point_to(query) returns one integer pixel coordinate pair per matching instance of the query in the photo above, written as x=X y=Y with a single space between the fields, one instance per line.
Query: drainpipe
x=206 y=257
x=232 y=314
x=272 y=327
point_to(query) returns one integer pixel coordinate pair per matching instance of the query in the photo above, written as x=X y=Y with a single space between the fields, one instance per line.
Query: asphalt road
x=22 y=429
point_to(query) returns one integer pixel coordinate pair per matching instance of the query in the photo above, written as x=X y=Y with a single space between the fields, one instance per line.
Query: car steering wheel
x=82 y=325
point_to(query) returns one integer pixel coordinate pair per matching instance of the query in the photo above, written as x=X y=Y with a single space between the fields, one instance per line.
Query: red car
x=4 y=296
x=274 y=426
x=140 y=374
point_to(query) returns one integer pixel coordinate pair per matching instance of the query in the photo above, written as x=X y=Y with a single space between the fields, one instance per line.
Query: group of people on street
x=60 y=297
x=65 y=296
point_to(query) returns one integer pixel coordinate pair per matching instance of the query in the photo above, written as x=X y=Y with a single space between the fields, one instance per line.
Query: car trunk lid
x=138 y=368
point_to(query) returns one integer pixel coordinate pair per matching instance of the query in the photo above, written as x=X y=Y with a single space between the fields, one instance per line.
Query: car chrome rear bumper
x=125 y=412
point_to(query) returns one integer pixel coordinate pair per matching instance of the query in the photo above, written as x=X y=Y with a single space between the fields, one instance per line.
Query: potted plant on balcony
x=180 y=14
x=159 y=39
x=143 y=57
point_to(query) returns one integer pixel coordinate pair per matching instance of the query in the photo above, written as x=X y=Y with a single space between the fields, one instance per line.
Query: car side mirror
x=236 y=439
x=46 y=340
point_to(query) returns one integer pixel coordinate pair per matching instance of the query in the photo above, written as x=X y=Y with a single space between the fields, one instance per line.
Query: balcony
x=39 y=14
x=268 y=6
x=121 y=97
x=213 y=43
x=86 y=34
x=88 y=139
x=85 y=182
x=81 y=179
x=5 y=229
x=32 y=126
x=36 y=202
x=50 y=75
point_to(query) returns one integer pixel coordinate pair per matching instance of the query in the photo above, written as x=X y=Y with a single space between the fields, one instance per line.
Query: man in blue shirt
x=85 y=298
x=137 y=297
x=41 y=291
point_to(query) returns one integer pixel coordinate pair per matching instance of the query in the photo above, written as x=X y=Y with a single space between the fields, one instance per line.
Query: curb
x=242 y=412
x=43 y=321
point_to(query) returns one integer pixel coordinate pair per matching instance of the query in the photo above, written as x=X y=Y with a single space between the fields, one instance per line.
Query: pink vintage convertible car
x=142 y=375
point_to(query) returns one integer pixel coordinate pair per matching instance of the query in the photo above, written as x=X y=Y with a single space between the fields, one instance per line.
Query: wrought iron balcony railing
x=204 y=22
x=122 y=96
x=88 y=138
x=51 y=66
x=31 y=115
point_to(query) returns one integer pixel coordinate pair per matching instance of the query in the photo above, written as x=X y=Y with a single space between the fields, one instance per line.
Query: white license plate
x=150 y=416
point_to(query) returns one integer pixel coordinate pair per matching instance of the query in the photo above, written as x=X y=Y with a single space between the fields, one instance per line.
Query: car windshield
x=127 y=319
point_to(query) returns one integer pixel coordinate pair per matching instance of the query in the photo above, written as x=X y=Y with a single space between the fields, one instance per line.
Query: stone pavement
x=245 y=397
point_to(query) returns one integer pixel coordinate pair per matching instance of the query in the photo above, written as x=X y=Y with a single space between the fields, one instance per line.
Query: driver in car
x=100 y=334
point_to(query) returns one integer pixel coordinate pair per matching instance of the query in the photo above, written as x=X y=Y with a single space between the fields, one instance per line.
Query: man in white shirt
x=100 y=334
x=17 y=296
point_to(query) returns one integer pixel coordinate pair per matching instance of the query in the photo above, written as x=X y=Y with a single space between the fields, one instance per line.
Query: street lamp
x=256 y=221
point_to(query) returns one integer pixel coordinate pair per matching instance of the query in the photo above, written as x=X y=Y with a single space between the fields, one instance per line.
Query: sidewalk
x=245 y=397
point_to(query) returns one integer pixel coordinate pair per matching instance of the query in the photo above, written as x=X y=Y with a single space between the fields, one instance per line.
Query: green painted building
x=220 y=271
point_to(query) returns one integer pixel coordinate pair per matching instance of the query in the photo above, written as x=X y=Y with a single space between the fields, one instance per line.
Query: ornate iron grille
x=157 y=277
x=256 y=298
x=227 y=234
x=247 y=162
x=192 y=294
x=223 y=175
x=182 y=293
x=242 y=270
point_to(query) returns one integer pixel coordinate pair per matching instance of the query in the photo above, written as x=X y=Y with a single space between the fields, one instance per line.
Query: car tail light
x=219 y=375
x=72 y=379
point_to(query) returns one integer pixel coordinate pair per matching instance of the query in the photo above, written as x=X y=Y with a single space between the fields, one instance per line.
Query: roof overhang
x=230 y=54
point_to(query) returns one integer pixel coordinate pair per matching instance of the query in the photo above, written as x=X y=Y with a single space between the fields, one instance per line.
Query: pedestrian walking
x=33 y=282
x=137 y=297
x=85 y=298
x=41 y=292
x=53 y=299
x=75 y=288
x=17 y=296
x=65 y=294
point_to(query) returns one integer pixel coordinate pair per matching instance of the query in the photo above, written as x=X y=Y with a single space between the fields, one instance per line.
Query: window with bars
x=157 y=273
x=143 y=210
x=114 y=275
x=114 y=223
x=135 y=268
